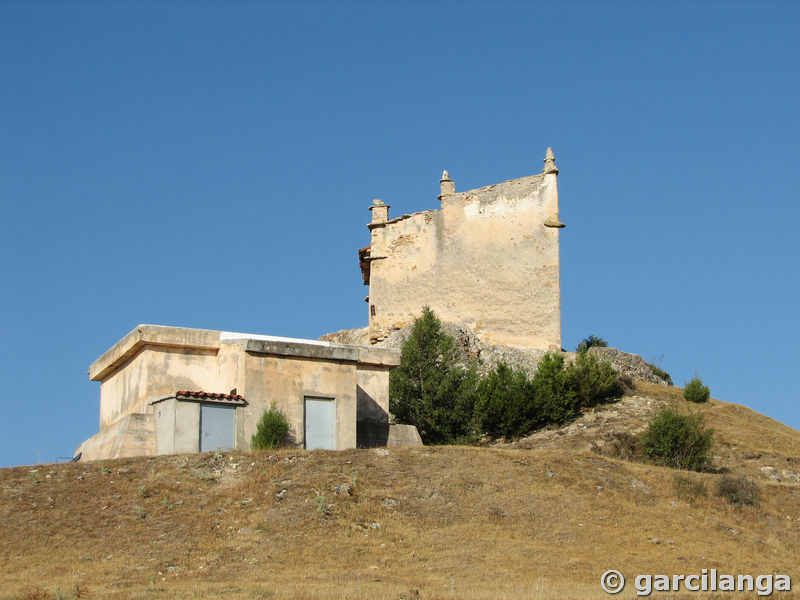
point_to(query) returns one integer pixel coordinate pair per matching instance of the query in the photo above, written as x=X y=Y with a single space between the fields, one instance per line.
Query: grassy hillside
x=542 y=518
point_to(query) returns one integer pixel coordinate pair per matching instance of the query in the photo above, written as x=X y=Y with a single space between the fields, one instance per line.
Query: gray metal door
x=320 y=423
x=216 y=427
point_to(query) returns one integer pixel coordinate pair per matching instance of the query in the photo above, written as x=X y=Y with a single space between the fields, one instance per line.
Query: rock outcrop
x=488 y=356
x=632 y=365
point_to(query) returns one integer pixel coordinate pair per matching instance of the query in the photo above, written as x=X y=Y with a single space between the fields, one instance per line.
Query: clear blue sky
x=211 y=164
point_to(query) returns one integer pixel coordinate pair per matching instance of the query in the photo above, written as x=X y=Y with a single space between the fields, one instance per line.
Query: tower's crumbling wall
x=489 y=258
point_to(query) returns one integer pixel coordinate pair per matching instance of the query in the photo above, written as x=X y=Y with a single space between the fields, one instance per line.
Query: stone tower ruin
x=488 y=258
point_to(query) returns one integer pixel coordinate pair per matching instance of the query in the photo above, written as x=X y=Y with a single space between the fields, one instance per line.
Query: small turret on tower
x=550 y=162
x=380 y=212
x=550 y=168
x=447 y=185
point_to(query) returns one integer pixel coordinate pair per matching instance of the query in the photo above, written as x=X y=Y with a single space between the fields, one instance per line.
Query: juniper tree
x=429 y=389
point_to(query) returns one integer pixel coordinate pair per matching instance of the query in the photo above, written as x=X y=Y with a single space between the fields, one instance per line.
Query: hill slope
x=541 y=518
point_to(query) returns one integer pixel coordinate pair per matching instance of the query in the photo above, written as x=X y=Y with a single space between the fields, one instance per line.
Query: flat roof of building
x=187 y=337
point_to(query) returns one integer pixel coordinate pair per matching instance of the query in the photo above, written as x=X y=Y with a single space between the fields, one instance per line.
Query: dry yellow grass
x=430 y=523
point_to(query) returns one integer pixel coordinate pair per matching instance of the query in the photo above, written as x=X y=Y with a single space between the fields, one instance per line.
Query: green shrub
x=659 y=372
x=504 y=403
x=738 y=490
x=689 y=489
x=271 y=431
x=428 y=389
x=591 y=342
x=679 y=441
x=508 y=404
x=451 y=404
x=695 y=391
x=555 y=400
x=593 y=380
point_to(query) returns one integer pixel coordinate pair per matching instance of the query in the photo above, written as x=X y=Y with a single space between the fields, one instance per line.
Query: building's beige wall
x=373 y=393
x=287 y=380
x=230 y=369
x=155 y=372
x=487 y=259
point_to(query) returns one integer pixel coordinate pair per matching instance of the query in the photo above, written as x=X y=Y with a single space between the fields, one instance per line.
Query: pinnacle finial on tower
x=447 y=185
x=380 y=212
x=550 y=162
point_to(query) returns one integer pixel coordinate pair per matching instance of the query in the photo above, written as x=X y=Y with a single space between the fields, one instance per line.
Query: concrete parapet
x=403 y=435
x=324 y=352
x=155 y=335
